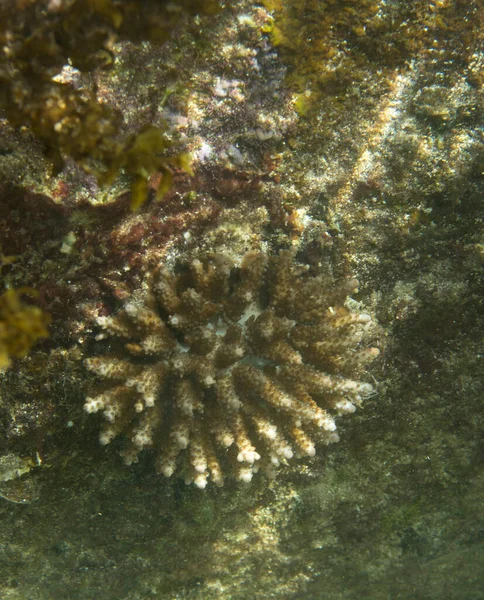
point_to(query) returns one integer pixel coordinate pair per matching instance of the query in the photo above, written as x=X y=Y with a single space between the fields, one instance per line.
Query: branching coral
x=216 y=364
x=21 y=326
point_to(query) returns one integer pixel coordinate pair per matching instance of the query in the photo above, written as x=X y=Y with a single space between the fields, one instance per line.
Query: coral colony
x=222 y=368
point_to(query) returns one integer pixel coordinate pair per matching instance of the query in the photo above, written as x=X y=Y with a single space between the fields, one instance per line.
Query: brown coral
x=216 y=364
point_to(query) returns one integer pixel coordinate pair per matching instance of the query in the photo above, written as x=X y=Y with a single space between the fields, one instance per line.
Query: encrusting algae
x=219 y=367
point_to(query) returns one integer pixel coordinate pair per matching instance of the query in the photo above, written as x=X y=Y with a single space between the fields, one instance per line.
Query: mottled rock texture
x=369 y=167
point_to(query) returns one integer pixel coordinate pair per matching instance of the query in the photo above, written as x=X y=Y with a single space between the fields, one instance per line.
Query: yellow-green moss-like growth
x=226 y=369
x=331 y=46
x=21 y=325
x=144 y=154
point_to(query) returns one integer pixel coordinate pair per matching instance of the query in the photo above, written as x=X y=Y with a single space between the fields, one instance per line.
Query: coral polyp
x=223 y=368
